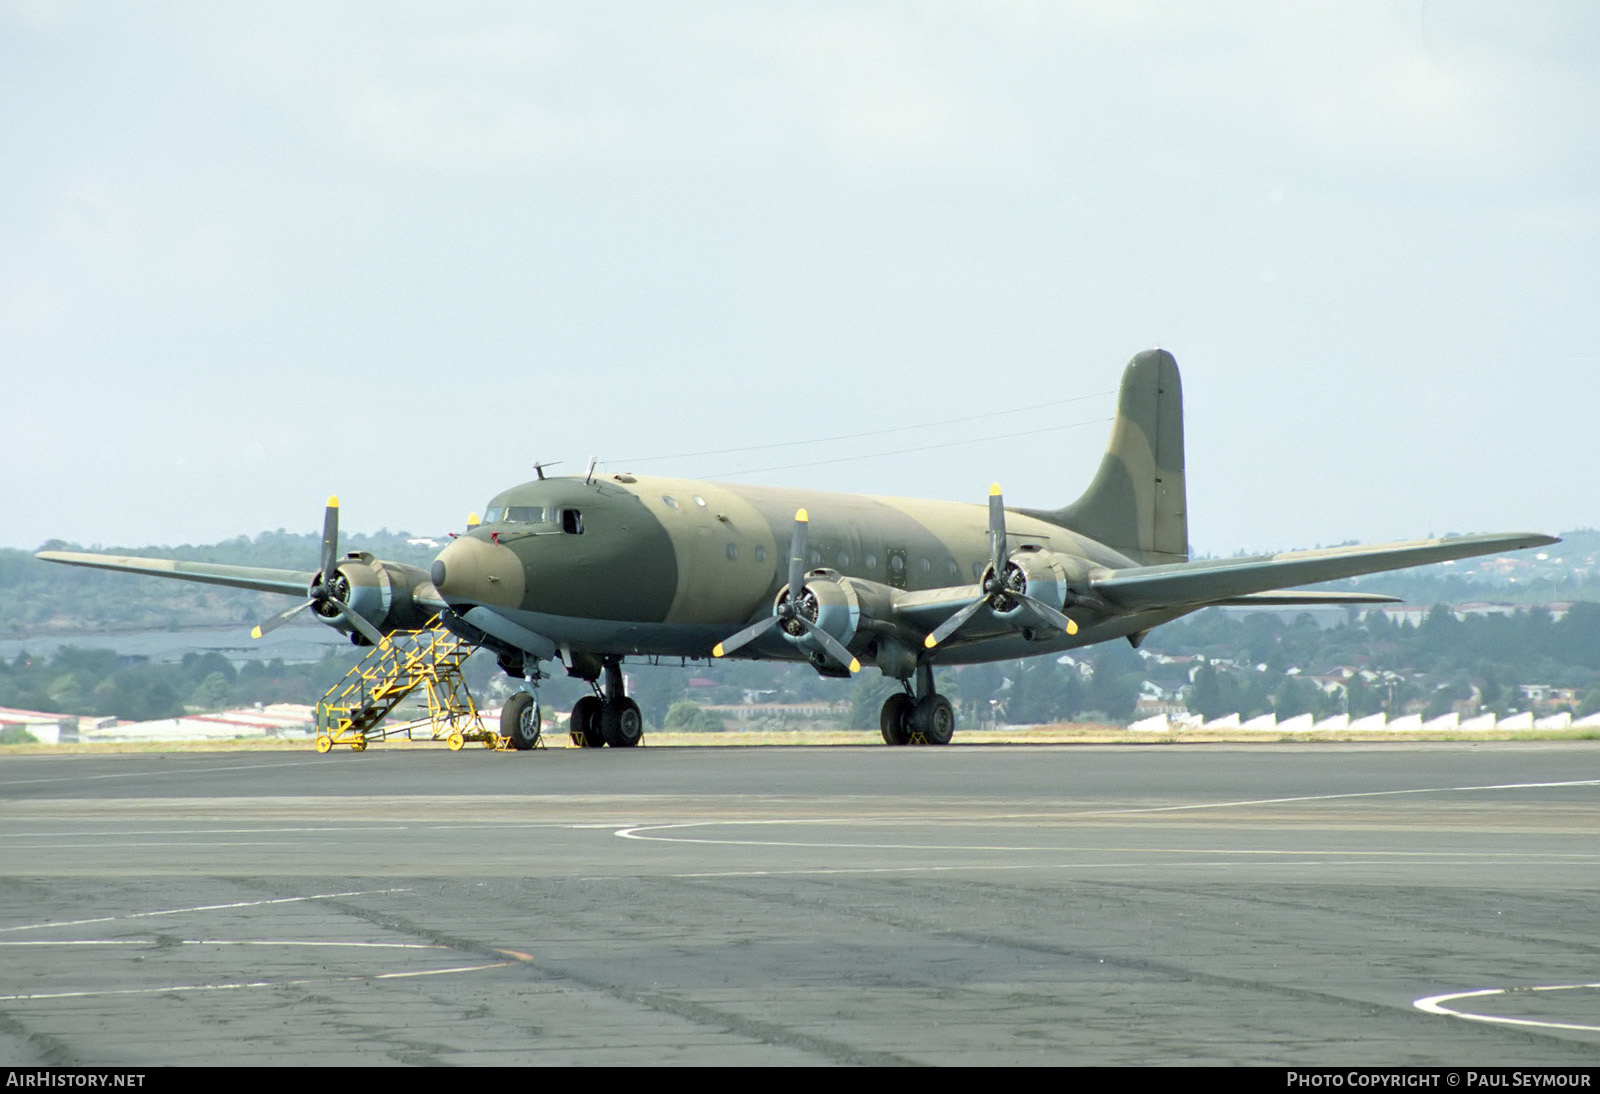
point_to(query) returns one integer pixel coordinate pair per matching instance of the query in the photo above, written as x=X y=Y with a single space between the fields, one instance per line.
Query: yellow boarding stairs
x=352 y=711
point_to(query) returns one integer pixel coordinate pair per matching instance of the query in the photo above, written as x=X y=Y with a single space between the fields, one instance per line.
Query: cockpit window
x=572 y=522
x=519 y=514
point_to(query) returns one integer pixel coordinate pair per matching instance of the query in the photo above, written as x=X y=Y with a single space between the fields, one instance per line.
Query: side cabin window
x=572 y=522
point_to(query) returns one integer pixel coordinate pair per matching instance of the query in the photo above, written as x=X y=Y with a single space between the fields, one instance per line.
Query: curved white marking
x=1434 y=1004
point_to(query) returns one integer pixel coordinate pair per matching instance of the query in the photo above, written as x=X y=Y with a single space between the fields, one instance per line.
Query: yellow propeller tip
x=800 y=514
x=472 y=520
x=930 y=641
x=1072 y=628
x=716 y=651
x=994 y=490
x=255 y=632
x=333 y=501
x=855 y=666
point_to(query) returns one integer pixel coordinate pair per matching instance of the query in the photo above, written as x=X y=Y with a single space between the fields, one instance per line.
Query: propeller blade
x=797 y=559
x=330 y=538
x=744 y=637
x=997 y=530
x=371 y=633
x=830 y=643
x=1047 y=613
x=280 y=619
x=954 y=623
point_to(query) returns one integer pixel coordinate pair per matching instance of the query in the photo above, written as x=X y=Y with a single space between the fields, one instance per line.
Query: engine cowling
x=377 y=590
x=1037 y=573
x=832 y=604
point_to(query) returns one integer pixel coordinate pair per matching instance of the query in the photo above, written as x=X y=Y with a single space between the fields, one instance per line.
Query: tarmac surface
x=1219 y=904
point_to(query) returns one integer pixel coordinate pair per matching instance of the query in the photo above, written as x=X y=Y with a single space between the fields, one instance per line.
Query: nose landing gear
x=521 y=722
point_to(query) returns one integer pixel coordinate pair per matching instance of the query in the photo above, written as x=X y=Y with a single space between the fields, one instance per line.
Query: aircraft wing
x=293 y=582
x=1290 y=598
x=1221 y=581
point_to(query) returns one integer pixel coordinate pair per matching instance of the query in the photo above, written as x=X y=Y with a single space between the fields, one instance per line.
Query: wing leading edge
x=260 y=578
x=1219 y=581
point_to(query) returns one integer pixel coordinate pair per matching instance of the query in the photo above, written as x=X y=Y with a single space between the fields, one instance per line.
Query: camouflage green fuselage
x=643 y=565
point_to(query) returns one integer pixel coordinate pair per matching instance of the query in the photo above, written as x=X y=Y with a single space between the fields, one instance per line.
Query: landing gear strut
x=920 y=717
x=607 y=717
x=521 y=722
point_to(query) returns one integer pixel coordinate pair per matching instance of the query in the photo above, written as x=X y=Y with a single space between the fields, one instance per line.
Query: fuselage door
x=896 y=557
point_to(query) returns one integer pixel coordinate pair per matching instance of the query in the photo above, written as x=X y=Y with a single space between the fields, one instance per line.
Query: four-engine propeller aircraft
x=592 y=570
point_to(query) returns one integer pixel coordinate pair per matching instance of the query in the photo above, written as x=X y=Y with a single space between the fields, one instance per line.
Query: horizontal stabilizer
x=292 y=582
x=1195 y=584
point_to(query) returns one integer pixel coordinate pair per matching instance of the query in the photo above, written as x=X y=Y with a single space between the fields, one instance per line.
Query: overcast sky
x=251 y=255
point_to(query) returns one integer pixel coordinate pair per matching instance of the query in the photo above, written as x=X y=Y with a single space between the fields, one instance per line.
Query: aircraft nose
x=473 y=570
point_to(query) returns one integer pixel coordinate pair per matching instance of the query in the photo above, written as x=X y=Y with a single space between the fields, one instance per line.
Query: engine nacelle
x=1035 y=572
x=379 y=591
x=831 y=603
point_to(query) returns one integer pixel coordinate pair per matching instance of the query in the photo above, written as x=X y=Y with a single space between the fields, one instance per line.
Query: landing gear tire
x=895 y=719
x=621 y=724
x=934 y=719
x=586 y=723
x=520 y=721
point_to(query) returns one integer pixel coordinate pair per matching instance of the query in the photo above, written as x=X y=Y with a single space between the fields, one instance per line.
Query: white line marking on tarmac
x=1434 y=1004
x=314 y=829
x=198 y=908
x=1355 y=794
x=987 y=867
x=1354 y=854
x=646 y=833
x=639 y=832
x=156 y=774
x=230 y=942
x=251 y=984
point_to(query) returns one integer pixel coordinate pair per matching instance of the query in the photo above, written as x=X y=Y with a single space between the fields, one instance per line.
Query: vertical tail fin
x=1136 y=502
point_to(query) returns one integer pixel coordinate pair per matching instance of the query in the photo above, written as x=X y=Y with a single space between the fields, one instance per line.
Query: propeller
x=796 y=609
x=328 y=590
x=1002 y=582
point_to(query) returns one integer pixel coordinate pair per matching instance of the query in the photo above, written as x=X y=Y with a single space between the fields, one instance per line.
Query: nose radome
x=477 y=571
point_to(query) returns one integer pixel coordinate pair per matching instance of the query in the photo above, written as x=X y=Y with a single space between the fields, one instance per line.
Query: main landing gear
x=923 y=717
x=608 y=717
